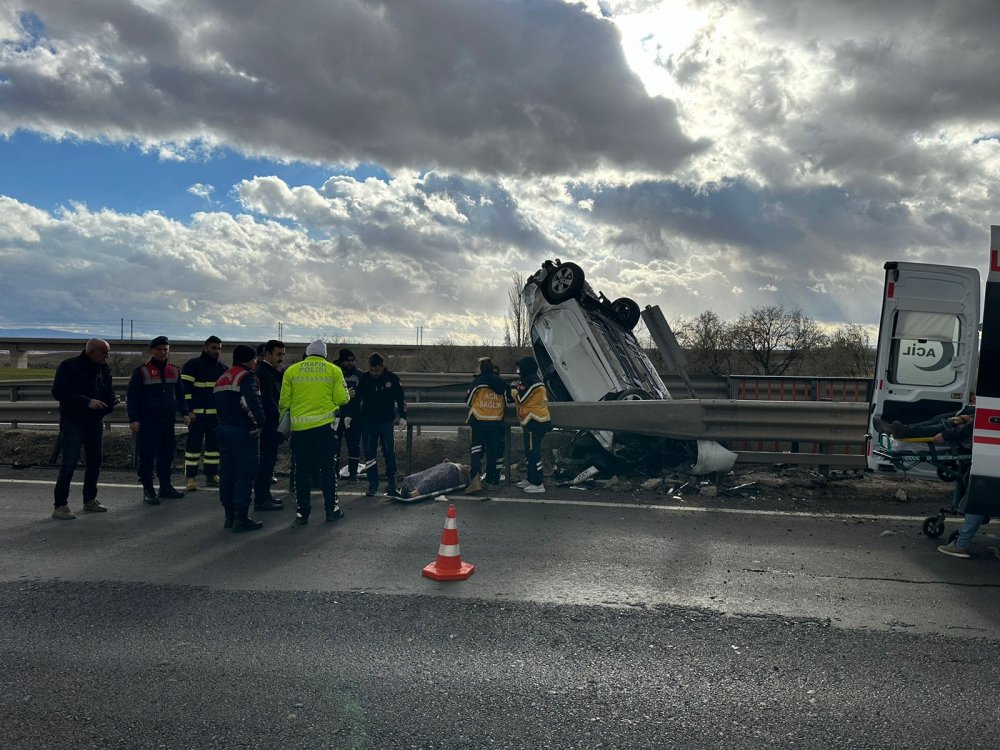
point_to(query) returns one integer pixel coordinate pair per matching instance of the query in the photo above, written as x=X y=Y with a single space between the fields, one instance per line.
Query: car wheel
x=564 y=283
x=633 y=394
x=627 y=312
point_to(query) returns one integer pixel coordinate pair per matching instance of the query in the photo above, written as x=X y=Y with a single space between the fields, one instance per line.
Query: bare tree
x=848 y=353
x=771 y=339
x=516 y=327
x=708 y=343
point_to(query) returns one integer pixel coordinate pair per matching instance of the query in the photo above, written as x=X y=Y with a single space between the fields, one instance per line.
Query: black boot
x=267 y=505
x=228 y=523
x=333 y=512
x=243 y=522
x=149 y=496
x=170 y=492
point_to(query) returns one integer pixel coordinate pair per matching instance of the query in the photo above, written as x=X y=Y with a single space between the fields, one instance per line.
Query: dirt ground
x=748 y=485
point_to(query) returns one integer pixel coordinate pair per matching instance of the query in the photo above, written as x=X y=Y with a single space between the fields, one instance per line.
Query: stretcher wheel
x=933 y=527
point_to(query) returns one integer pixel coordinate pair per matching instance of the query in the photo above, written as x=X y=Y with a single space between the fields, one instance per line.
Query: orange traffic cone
x=449 y=565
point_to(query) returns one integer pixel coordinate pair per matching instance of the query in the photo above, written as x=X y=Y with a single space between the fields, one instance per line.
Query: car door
x=927 y=345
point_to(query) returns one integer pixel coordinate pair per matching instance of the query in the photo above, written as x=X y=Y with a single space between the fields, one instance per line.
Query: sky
x=377 y=172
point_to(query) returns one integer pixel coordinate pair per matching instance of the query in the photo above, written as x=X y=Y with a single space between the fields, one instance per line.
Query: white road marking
x=579 y=503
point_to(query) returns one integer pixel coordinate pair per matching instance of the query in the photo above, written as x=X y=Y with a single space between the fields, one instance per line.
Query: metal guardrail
x=825 y=423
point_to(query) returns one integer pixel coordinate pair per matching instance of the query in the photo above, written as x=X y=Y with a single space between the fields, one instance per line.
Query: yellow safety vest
x=314 y=390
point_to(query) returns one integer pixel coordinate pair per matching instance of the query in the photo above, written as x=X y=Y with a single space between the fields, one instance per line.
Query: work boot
x=149 y=496
x=170 y=493
x=228 y=523
x=246 y=523
x=192 y=484
x=212 y=481
x=300 y=520
x=476 y=485
x=334 y=515
x=94 y=506
x=63 y=513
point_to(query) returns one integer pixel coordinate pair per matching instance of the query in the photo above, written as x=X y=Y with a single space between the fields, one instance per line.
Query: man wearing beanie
x=154 y=396
x=349 y=429
x=198 y=376
x=531 y=400
x=313 y=390
x=241 y=418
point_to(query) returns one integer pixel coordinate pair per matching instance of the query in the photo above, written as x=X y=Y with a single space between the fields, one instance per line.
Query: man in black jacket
x=349 y=426
x=380 y=394
x=154 y=397
x=269 y=359
x=241 y=416
x=83 y=388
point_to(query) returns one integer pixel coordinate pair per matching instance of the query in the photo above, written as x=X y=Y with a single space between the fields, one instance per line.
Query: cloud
x=494 y=87
x=200 y=190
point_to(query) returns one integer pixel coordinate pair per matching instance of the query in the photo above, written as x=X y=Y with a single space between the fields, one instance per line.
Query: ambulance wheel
x=933 y=527
x=564 y=283
x=627 y=312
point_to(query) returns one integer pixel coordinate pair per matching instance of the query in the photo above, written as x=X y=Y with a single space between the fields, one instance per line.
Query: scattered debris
x=652 y=484
x=888 y=533
x=901 y=496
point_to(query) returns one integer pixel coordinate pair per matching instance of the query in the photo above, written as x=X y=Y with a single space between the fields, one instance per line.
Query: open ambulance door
x=984 y=482
x=927 y=345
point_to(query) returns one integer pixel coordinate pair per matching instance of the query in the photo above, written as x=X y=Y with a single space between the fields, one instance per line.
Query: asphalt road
x=611 y=624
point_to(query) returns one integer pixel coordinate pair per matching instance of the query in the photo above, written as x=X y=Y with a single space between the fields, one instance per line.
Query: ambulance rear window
x=924 y=348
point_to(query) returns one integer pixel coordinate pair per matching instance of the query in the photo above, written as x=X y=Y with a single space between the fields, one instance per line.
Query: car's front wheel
x=627 y=312
x=564 y=283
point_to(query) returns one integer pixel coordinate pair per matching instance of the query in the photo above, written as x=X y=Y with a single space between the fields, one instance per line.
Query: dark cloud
x=508 y=87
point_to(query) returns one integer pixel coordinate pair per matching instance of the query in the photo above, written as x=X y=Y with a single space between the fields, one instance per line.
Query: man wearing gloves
x=313 y=390
x=154 y=396
x=380 y=394
x=532 y=403
x=241 y=417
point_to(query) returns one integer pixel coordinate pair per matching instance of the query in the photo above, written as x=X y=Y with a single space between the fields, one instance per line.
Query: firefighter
x=198 y=377
x=487 y=404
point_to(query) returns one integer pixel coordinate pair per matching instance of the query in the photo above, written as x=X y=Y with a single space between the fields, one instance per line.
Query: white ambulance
x=927 y=360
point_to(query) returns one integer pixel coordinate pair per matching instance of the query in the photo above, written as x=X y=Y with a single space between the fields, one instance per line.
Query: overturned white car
x=586 y=351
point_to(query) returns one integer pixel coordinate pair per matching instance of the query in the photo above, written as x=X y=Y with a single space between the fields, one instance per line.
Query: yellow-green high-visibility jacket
x=313 y=389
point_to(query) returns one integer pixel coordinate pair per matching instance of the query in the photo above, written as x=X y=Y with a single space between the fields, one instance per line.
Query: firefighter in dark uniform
x=241 y=419
x=532 y=403
x=155 y=395
x=198 y=376
x=487 y=403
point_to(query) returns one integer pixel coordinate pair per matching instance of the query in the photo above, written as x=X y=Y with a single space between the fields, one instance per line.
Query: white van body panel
x=984 y=479
x=927 y=348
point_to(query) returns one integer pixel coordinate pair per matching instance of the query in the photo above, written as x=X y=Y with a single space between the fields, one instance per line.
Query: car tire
x=627 y=312
x=633 y=394
x=565 y=282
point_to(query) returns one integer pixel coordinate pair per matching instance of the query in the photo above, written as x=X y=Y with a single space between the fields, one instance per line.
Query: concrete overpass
x=20 y=348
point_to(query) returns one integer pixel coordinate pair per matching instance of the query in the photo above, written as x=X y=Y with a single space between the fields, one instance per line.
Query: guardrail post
x=825 y=448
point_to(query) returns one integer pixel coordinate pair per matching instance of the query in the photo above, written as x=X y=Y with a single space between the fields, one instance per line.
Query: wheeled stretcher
x=951 y=462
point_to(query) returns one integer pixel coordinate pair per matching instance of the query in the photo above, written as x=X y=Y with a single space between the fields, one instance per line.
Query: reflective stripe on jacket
x=198 y=377
x=485 y=404
x=313 y=389
x=531 y=401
